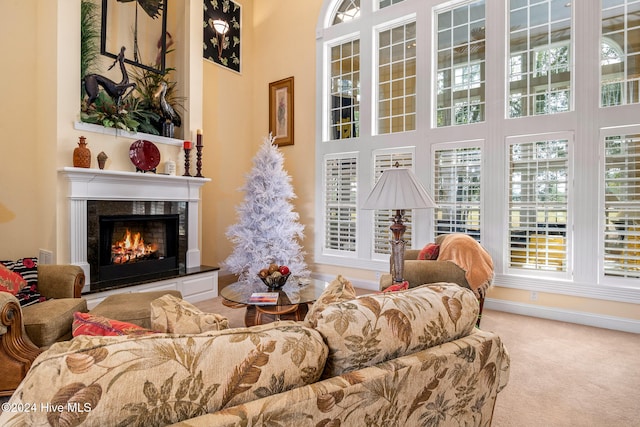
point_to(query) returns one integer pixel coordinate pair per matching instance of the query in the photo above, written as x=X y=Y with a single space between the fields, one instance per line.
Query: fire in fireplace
x=132 y=248
x=136 y=245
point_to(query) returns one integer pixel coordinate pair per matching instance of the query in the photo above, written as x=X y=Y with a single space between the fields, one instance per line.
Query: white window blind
x=538 y=204
x=340 y=190
x=457 y=184
x=622 y=206
x=386 y=159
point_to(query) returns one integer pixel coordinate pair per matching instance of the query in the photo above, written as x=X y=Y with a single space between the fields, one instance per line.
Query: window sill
x=90 y=127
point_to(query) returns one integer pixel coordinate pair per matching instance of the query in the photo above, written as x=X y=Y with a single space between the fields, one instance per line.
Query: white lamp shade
x=221 y=26
x=398 y=188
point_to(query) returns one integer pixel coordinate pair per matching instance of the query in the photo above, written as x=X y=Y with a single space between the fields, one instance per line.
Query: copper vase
x=81 y=154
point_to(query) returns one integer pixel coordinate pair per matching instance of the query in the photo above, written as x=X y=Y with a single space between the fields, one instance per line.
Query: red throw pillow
x=25 y=267
x=429 y=252
x=10 y=282
x=89 y=324
x=397 y=287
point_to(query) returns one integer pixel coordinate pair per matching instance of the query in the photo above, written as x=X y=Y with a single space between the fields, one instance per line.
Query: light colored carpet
x=562 y=374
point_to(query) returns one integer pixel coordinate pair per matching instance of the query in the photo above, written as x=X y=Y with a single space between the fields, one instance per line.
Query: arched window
x=619 y=77
x=612 y=88
x=348 y=10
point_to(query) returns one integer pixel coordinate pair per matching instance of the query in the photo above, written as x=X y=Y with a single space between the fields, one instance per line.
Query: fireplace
x=133 y=241
x=94 y=193
x=136 y=245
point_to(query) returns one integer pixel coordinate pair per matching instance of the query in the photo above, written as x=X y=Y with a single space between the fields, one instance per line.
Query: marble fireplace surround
x=96 y=184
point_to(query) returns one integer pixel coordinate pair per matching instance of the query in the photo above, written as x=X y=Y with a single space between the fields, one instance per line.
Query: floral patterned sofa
x=411 y=357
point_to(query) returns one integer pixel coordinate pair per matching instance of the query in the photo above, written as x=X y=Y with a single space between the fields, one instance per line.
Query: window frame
x=332 y=251
x=515 y=271
x=604 y=279
x=458 y=145
x=388 y=26
x=585 y=121
x=409 y=235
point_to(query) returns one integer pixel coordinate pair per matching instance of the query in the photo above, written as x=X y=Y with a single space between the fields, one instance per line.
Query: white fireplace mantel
x=96 y=184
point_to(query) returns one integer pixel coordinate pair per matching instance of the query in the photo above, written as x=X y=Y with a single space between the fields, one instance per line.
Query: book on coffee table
x=264 y=298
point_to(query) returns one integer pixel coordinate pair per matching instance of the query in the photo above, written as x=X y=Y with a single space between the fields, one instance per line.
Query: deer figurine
x=117 y=91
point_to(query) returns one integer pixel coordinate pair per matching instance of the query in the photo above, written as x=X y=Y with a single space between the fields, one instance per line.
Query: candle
x=187 y=145
x=199 y=138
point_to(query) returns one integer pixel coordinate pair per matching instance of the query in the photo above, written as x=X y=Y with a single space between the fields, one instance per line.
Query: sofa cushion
x=375 y=328
x=429 y=252
x=25 y=267
x=134 y=307
x=340 y=289
x=403 y=286
x=161 y=379
x=10 y=281
x=51 y=320
x=89 y=324
x=29 y=295
x=177 y=316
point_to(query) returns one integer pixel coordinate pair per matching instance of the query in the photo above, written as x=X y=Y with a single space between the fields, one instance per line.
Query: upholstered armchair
x=26 y=331
x=418 y=272
x=443 y=269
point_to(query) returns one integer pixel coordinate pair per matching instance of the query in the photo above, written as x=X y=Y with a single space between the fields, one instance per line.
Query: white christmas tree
x=268 y=231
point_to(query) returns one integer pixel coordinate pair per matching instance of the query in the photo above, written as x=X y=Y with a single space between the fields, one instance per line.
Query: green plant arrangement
x=89 y=36
x=147 y=86
x=139 y=111
x=129 y=116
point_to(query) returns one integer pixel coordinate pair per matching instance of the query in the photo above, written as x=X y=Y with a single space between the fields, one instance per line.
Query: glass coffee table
x=293 y=298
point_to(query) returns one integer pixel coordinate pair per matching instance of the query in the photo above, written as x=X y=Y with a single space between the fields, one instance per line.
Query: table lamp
x=398 y=189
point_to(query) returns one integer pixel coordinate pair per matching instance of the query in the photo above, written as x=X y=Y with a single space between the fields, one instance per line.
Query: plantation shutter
x=457 y=177
x=382 y=160
x=622 y=206
x=340 y=188
x=538 y=190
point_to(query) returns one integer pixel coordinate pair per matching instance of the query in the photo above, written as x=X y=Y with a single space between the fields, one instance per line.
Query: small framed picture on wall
x=281 y=111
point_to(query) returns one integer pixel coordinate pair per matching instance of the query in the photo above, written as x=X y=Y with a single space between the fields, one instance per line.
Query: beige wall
x=236 y=113
x=21 y=174
x=38 y=81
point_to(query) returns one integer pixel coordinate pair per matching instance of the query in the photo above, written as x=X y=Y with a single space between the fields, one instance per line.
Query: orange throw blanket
x=467 y=254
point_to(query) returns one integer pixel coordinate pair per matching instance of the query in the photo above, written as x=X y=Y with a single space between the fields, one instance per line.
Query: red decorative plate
x=144 y=155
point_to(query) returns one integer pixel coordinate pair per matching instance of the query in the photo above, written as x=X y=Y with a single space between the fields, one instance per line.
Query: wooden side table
x=293 y=300
x=276 y=311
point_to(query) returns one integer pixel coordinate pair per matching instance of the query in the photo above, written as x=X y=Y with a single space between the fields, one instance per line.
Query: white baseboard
x=581 y=318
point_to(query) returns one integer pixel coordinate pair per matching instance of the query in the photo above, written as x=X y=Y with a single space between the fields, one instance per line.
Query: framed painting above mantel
x=140 y=26
x=281 y=111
